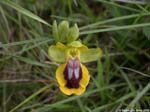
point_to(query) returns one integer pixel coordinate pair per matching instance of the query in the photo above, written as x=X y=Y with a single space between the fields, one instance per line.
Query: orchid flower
x=72 y=75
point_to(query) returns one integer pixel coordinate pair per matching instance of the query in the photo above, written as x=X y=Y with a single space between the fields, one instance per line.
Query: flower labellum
x=73 y=73
x=73 y=77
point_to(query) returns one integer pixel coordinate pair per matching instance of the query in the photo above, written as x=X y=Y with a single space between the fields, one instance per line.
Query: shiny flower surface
x=72 y=76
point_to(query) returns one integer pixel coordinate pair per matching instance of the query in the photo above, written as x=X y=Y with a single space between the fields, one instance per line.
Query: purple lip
x=73 y=73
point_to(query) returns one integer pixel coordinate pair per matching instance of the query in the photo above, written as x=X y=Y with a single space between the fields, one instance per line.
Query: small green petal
x=89 y=55
x=61 y=45
x=75 y=44
x=73 y=33
x=55 y=31
x=63 y=29
x=57 y=54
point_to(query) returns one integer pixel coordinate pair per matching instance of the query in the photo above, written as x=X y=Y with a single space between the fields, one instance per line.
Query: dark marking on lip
x=73 y=73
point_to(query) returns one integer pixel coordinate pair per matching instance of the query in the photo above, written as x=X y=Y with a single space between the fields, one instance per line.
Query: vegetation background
x=121 y=80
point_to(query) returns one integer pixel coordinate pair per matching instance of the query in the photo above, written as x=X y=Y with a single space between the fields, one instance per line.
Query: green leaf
x=89 y=55
x=57 y=54
x=73 y=33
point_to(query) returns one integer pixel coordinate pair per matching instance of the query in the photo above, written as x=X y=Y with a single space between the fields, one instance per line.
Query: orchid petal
x=89 y=55
x=60 y=75
x=57 y=54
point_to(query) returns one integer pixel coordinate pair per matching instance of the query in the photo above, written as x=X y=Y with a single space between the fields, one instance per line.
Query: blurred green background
x=120 y=80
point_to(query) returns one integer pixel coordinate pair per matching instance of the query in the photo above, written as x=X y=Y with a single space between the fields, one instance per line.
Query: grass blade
x=139 y=95
x=30 y=97
x=115 y=28
x=24 y=11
